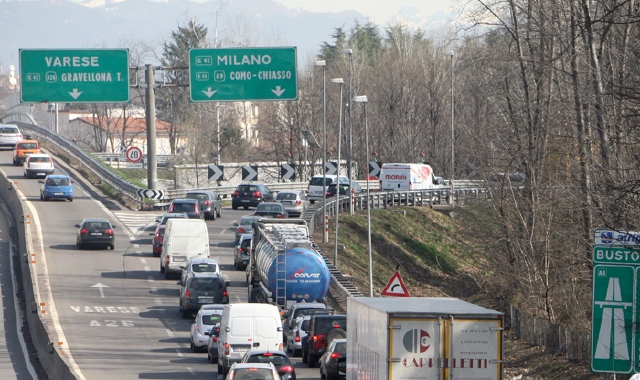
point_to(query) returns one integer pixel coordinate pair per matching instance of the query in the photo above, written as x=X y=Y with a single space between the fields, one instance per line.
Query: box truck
x=422 y=338
x=408 y=177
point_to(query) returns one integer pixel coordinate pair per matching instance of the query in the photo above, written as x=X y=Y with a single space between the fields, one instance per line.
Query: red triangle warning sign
x=395 y=287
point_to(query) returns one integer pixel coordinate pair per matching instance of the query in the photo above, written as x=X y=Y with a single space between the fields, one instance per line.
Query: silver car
x=245 y=226
x=9 y=135
x=197 y=265
x=296 y=334
x=206 y=319
x=295 y=202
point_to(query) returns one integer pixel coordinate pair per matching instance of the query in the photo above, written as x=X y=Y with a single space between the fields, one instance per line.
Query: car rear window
x=341 y=347
x=277 y=360
x=203 y=267
x=58 y=182
x=269 y=207
x=203 y=283
x=198 y=196
x=247 y=221
x=212 y=319
x=324 y=325
x=248 y=188
x=97 y=225
x=253 y=374
x=9 y=130
x=28 y=146
x=183 y=207
x=39 y=159
x=286 y=196
x=318 y=181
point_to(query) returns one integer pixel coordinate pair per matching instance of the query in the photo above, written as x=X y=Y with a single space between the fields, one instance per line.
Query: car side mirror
x=235 y=224
x=40 y=181
x=179 y=283
x=227 y=283
x=182 y=267
x=157 y=219
x=113 y=227
x=76 y=225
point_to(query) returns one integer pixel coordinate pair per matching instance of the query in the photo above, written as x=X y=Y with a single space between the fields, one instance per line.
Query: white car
x=262 y=371
x=206 y=319
x=9 y=135
x=197 y=265
x=38 y=165
x=315 y=188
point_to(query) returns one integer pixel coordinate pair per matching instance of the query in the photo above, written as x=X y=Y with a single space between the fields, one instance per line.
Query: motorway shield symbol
x=612 y=330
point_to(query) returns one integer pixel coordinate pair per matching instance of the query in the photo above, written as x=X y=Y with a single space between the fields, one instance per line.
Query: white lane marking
x=191 y=371
x=39 y=240
x=136 y=246
x=170 y=333
x=154 y=290
x=147 y=269
x=19 y=326
x=180 y=354
x=158 y=301
x=150 y=279
x=143 y=260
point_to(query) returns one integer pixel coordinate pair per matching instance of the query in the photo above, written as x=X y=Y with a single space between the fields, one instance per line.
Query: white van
x=247 y=326
x=183 y=240
x=314 y=190
x=408 y=177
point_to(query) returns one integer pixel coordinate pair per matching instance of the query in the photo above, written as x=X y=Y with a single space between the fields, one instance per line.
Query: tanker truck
x=284 y=268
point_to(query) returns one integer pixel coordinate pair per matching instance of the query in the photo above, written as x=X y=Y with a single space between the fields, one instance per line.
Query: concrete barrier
x=51 y=354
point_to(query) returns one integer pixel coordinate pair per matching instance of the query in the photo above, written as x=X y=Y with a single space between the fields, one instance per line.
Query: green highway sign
x=616 y=255
x=239 y=74
x=74 y=76
x=613 y=324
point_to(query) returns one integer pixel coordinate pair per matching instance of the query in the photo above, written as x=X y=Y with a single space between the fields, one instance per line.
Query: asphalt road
x=117 y=316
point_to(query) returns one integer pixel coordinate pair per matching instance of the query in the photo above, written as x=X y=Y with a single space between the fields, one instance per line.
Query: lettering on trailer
x=612 y=337
x=396 y=177
x=249 y=173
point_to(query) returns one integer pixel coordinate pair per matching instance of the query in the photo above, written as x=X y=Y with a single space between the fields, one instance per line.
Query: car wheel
x=167 y=275
x=297 y=353
x=161 y=269
x=111 y=247
x=246 y=207
x=219 y=212
x=220 y=369
x=193 y=347
x=312 y=361
x=15 y=163
x=41 y=197
x=80 y=246
x=234 y=207
x=70 y=199
x=213 y=215
x=304 y=357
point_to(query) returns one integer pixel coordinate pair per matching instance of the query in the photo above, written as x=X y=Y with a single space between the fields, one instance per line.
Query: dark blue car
x=56 y=186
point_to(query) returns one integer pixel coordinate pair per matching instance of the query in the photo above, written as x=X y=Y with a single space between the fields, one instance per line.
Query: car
x=315 y=187
x=296 y=334
x=10 y=135
x=24 y=149
x=158 y=238
x=322 y=328
x=279 y=359
x=344 y=188
x=295 y=202
x=200 y=290
x=37 y=165
x=209 y=202
x=245 y=226
x=196 y=265
x=252 y=371
x=271 y=210
x=191 y=207
x=251 y=195
x=95 y=232
x=212 y=342
x=207 y=318
x=162 y=220
x=296 y=310
x=333 y=363
x=241 y=252
x=56 y=186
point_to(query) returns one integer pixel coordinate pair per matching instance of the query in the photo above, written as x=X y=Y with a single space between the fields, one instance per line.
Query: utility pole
x=150 y=115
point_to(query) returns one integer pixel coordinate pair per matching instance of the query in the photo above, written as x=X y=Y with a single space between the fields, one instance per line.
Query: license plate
x=246 y=200
x=205 y=299
x=286 y=202
x=241 y=349
x=96 y=233
x=181 y=259
x=58 y=193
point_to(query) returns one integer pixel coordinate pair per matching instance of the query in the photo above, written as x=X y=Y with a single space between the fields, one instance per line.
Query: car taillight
x=171 y=208
x=241 y=230
x=84 y=231
x=50 y=161
x=167 y=260
x=109 y=232
x=280 y=346
x=225 y=294
x=257 y=194
x=335 y=355
x=226 y=349
x=215 y=339
x=268 y=354
x=329 y=194
x=297 y=338
x=285 y=368
x=197 y=327
x=280 y=216
x=187 y=293
x=298 y=203
x=235 y=194
x=207 y=203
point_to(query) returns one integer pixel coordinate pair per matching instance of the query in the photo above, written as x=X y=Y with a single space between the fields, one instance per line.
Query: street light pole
x=363 y=99
x=450 y=54
x=340 y=82
x=350 y=157
x=325 y=234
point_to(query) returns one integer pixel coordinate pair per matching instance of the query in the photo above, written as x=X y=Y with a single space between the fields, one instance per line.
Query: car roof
x=39 y=155
x=200 y=260
x=262 y=351
x=27 y=141
x=57 y=176
x=253 y=365
x=246 y=236
x=212 y=307
x=289 y=191
x=95 y=220
x=176 y=214
x=308 y=305
x=185 y=200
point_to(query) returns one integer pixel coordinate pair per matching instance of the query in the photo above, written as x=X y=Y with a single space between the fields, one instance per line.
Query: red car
x=158 y=237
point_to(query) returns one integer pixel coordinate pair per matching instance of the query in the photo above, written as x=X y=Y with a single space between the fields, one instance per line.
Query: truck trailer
x=422 y=338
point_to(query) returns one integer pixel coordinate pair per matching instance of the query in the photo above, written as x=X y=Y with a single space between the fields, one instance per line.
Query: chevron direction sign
x=288 y=171
x=151 y=194
x=249 y=173
x=216 y=173
x=374 y=168
x=615 y=346
x=331 y=168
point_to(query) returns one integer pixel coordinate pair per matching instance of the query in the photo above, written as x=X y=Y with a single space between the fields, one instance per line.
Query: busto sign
x=80 y=76
x=240 y=74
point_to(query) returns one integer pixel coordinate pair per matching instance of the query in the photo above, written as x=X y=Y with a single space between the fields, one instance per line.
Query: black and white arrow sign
x=374 y=168
x=216 y=173
x=249 y=173
x=288 y=171
x=151 y=194
x=331 y=168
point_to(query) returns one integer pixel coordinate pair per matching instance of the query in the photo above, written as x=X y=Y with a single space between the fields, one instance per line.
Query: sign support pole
x=150 y=110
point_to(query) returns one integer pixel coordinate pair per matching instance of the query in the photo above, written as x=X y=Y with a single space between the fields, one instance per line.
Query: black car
x=271 y=210
x=241 y=254
x=191 y=207
x=333 y=364
x=278 y=358
x=96 y=233
x=344 y=189
x=200 y=290
x=251 y=195
x=322 y=329
x=209 y=202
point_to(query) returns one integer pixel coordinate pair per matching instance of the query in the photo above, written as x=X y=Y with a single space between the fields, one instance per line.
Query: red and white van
x=407 y=177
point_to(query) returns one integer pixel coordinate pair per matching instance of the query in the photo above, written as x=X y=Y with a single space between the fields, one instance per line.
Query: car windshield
x=286 y=196
x=28 y=146
x=271 y=207
x=204 y=267
x=58 y=182
x=203 y=283
x=212 y=319
x=253 y=374
x=277 y=360
x=318 y=181
x=198 y=196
